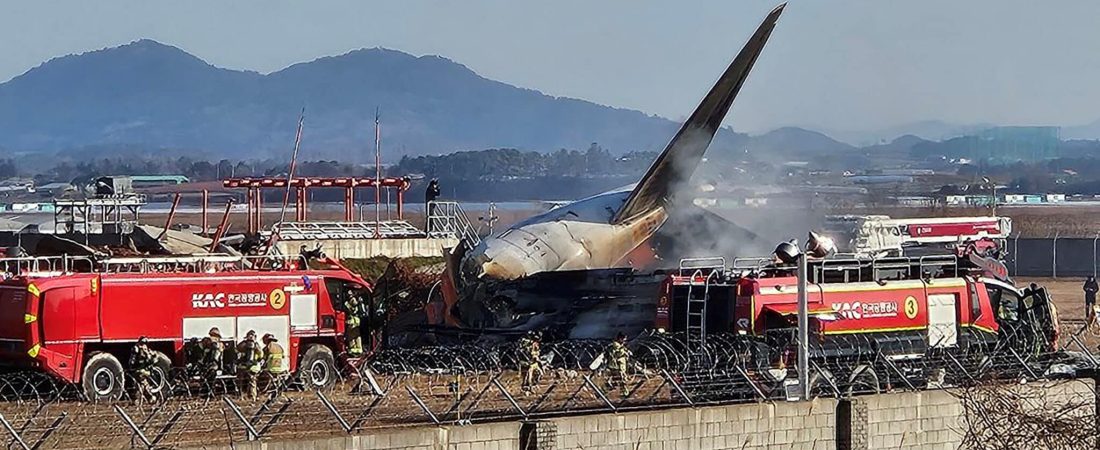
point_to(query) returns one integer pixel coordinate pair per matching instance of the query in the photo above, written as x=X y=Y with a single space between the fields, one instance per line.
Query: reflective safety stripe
x=275 y=358
x=33 y=289
x=28 y=318
x=34 y=351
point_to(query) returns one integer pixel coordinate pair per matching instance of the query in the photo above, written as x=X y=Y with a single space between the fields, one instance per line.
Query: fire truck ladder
x=695 y=314
x=698 y=295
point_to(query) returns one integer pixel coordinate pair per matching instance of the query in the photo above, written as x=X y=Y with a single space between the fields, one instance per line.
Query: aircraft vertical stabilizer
x=683 y=153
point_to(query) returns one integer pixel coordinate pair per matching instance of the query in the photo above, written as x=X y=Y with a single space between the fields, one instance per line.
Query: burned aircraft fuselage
x=576 y=236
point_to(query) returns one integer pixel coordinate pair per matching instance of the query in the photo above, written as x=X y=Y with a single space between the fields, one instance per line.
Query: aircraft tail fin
x=684 y=152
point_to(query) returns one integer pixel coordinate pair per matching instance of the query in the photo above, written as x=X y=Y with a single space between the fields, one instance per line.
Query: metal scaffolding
x=117 y=214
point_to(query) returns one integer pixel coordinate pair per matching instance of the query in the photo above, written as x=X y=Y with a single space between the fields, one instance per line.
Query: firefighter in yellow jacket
x=618 y=360
x=530 y=354
x=352 y=333
x=274 y=366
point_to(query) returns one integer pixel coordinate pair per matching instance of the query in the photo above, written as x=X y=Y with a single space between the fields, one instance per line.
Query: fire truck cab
x=82 y=326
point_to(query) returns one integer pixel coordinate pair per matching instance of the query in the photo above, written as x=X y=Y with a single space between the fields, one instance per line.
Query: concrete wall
x=488 y=436
x=928 y=420
x=912 y=420
x=752 y=426
x=368 y=248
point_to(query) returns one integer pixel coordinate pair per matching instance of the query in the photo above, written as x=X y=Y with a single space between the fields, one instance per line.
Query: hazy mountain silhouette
x=153 y=94
x=793 y=142
x=933 y=130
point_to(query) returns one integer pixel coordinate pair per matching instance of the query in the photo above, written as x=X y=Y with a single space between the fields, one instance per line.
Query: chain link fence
x=1055 y=256
x=478 y=383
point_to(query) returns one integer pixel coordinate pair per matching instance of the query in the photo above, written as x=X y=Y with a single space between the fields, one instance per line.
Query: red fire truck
x=877 y=235
x=877 y=318
x=81 y=325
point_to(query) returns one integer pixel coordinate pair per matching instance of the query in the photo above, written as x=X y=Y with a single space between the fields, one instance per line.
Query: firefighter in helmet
x=194 y=351
x=212 y=353
x=355 y=310
x=142 y=361
x=250 y=361
x=274 y=366
x=618 y=357
x=530 y=354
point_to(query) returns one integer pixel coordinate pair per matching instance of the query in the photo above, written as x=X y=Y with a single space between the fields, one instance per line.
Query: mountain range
x=148 y=93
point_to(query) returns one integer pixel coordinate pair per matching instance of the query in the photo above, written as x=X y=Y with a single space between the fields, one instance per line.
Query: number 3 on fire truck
x=277 y=298
x=911 y=307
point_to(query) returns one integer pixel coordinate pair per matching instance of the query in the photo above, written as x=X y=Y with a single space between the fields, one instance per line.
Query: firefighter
x=193 y=352
x=212 y=353
x=274 y=368
x=618 y=359
x=142 y=362
x=530 y=354
x=1090 y=289
x=352 y=317
x=250 y=361
x=303 y=258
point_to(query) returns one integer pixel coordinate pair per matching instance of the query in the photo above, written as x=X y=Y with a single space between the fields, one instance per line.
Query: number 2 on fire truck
x=277 y=298
x=911 y=307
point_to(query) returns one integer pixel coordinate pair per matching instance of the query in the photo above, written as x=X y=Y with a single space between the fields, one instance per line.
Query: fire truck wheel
x=159 y=376
x=103 y=377
x=318 y=367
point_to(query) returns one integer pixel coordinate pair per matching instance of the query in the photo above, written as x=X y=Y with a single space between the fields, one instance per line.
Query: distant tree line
x=506 y=164
x=492 y=164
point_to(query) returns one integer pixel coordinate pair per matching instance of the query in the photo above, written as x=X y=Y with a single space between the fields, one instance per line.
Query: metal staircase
x=447 y=219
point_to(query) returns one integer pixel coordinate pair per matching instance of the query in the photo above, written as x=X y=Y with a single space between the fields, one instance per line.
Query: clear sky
x=837 y=64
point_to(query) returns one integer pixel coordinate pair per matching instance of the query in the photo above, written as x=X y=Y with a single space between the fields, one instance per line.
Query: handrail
x=708 y=262
x=859 y=267
x=41 y=264
x=450 y=218
x=214 y=262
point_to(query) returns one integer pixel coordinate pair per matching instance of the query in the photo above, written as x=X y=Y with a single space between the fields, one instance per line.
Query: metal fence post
x=14 y=434
x=1094 y=254
x=1016 y=255
x=1054 y=259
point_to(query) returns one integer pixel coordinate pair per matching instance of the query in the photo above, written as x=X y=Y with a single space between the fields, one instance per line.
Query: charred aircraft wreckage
x=568 y=271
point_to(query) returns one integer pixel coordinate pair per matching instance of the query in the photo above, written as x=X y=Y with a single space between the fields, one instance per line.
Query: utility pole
x=803 y=328
x=992 y=185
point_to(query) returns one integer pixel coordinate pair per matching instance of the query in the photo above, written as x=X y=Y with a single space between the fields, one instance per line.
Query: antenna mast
x=293 y=164
x=377 y=174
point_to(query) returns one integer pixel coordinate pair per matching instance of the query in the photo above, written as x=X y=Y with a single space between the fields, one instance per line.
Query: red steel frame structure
x=255 y=188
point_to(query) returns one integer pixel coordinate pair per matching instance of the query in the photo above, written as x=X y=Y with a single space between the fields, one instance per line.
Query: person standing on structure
x=250 y=361
x=142 y=362
x=1090 y=289
x=430 y=195
x=274 y=368
x=530 y=353
x=619 y=360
